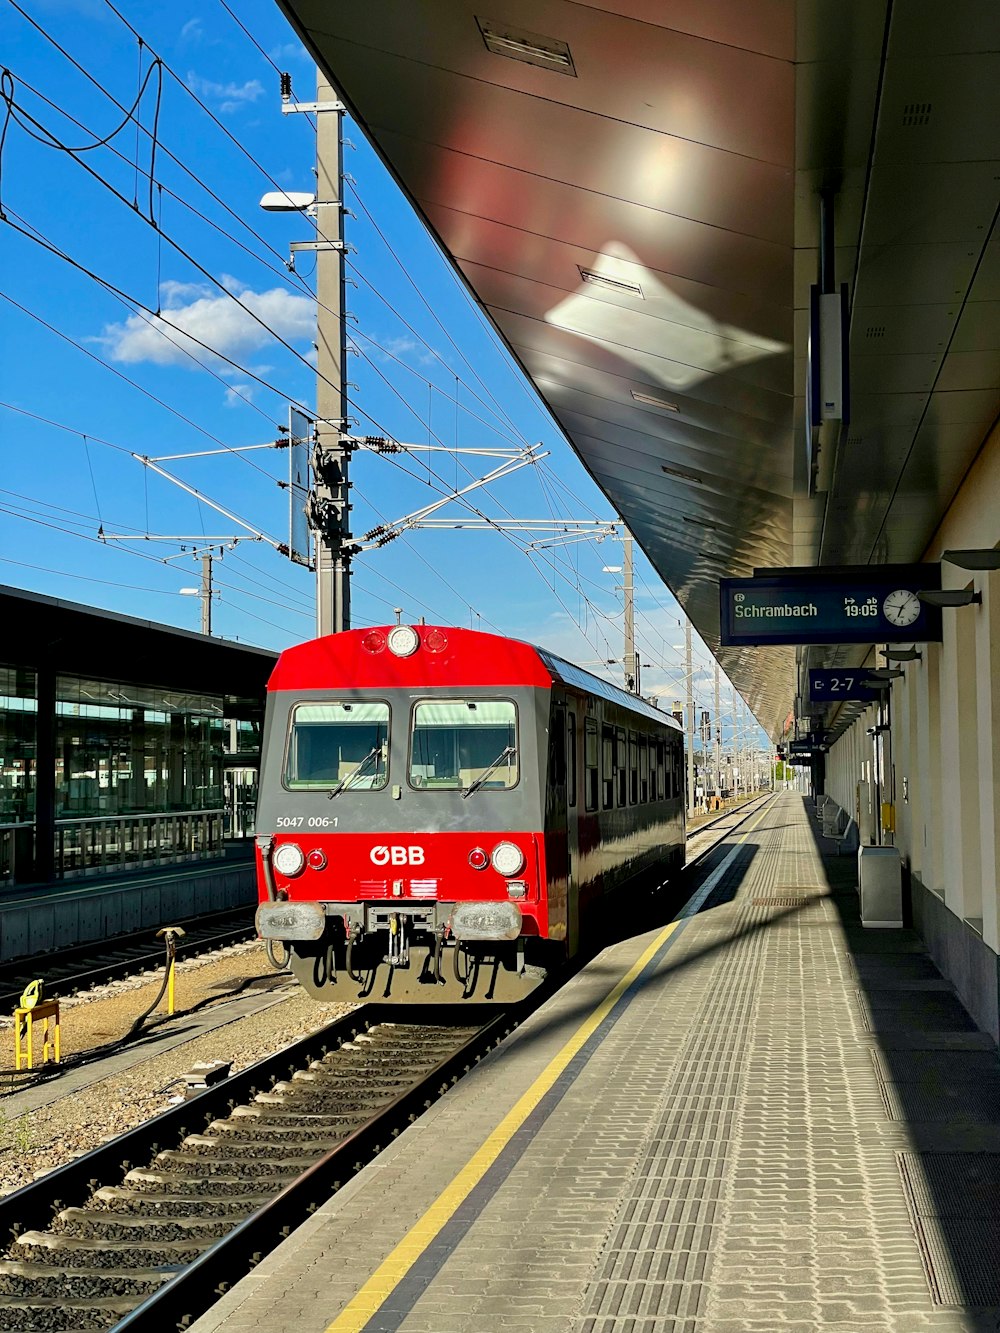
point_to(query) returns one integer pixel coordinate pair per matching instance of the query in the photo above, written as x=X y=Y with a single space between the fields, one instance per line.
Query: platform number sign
x=839 y=686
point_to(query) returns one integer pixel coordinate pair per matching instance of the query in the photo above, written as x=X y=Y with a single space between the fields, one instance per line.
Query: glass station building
x=122 y=743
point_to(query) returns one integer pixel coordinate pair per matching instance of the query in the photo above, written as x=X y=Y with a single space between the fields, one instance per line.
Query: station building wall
x=939 y=762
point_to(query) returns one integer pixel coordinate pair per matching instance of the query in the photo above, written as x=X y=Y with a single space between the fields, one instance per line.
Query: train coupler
x=399 y=941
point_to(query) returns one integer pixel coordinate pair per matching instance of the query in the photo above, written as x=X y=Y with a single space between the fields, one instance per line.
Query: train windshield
x=338 y=743
x=457 y=742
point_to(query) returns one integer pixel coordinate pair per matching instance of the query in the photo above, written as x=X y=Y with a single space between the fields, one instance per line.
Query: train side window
x=621 y=769
x=660 y=791
x=571 y=743
x=557 y=749
x=633 y=768
x=608 y=766
x=643 y=769
x=590 y=762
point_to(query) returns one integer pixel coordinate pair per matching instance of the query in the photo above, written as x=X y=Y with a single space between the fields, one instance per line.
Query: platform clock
x=901 y=608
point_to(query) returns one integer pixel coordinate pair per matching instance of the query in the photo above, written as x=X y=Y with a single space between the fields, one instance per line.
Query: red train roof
x=469 y=658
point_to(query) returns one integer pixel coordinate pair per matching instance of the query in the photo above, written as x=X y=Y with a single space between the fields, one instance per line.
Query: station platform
x=41 y=919
x=760 y=1117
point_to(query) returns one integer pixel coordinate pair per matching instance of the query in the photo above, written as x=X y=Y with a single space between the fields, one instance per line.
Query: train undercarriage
x=424 y=953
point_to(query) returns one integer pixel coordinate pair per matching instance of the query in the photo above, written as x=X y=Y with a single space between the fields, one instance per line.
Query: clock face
x=901 y=608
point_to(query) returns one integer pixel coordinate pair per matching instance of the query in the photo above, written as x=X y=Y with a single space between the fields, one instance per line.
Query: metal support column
x=631 y=657
x=45 y=776
x=329 y=504
x=689 y=679
x=206 y=592
x=717 y=734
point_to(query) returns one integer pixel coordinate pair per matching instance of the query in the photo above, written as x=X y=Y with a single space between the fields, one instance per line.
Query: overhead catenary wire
x=550 y=561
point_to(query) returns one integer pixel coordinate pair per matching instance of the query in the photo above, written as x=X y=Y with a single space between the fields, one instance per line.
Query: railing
x=94 y=845
x=15 y=841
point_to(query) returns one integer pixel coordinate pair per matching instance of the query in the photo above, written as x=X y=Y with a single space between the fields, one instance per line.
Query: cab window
x=458 y=742
x=339 y=741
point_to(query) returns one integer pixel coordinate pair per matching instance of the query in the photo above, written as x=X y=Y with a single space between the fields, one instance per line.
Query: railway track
x=85 y=966
x=148 y=1229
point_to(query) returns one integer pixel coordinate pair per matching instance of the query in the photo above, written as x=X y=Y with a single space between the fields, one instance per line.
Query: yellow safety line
x=397 y=1264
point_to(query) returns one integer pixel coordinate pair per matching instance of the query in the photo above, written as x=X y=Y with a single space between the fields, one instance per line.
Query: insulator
x=286 y=87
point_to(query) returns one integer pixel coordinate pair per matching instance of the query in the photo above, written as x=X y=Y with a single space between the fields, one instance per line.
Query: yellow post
x=31 y=1007
x=171 y=934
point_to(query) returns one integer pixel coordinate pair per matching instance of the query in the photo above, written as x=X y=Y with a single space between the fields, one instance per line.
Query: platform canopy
x=630 y=188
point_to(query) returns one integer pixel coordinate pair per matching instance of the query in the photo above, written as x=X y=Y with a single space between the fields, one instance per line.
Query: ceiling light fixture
x=885 y=673
x=900 y=654
x=682 y=474
x=648 y=400
x=531 y=47
x=950 y=597
x=979 y=559
x=614 y=284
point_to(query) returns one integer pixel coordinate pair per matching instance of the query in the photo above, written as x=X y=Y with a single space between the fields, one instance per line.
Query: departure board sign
x=853 y=604
x=836 y=686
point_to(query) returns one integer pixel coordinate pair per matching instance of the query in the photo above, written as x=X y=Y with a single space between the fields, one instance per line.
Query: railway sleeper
x=43 y=1314
x=179 y=1159
x=168 y=1205
x=20 y=1278
x=277 y=1113
x=330 y=1104
x=83 y=1222
x=264 y=1147
x=246 y=1129
x=92 y=1252
x=150 y=1181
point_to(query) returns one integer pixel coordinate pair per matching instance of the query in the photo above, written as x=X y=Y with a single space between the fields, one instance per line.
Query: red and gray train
x=444 y=814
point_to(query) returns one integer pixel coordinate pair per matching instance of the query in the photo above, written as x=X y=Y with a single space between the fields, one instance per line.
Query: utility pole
x=206 y=592
x=690 y=714
x=631 y=657
x=329 y=505
x=717 y=745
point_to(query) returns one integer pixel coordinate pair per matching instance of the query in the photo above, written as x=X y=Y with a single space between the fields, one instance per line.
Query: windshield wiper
x=346 y=783
x=508 y=753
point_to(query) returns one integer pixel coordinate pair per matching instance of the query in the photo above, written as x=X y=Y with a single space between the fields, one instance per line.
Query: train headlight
x=403 y=641
x=478 y=859
x=289 y=860
x=316 y=860
x=508 y=859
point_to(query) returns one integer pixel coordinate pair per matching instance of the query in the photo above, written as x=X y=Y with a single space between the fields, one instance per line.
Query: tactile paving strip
x=953 y=1200
x=657 y=1258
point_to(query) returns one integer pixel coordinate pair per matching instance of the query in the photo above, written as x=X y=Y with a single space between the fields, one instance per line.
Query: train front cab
x=422 y=879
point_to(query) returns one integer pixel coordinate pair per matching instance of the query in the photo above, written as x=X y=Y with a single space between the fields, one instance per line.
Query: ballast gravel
x=47 y=1137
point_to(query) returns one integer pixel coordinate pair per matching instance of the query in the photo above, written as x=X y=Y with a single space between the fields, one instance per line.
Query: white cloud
x=191 y=312
x=404 y=348
x=290 y=51
x=192 y=31
x=229 y=96
x=239 y=395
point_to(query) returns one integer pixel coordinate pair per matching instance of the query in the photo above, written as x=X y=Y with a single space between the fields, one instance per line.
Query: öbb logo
x=397 y=856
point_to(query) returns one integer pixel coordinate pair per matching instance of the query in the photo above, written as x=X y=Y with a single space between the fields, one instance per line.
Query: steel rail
x=193 y=1290
x=95 y=973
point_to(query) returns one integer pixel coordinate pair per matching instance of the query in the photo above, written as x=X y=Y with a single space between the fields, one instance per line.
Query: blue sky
x=78 y=355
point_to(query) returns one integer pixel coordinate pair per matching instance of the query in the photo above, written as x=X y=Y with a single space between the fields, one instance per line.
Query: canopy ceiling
x=636 y=207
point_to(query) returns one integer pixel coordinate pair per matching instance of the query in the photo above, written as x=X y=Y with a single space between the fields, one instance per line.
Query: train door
x=557 y=860
x=573 y=745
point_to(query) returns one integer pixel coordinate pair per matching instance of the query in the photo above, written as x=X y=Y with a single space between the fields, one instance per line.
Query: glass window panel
x=338 y=742
x=458 y=742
